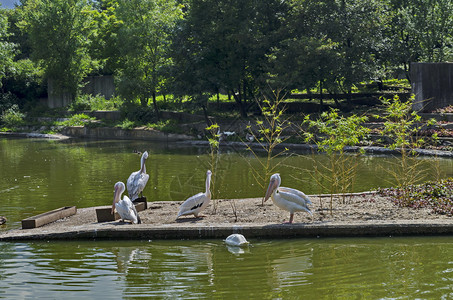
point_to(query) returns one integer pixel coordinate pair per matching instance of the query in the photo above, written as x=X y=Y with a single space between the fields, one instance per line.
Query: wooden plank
x=105 y=214
x=48 y=217
x=141 y=200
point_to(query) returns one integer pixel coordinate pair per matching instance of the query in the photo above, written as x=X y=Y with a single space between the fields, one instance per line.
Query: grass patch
x=168 y=126
x=77 y=120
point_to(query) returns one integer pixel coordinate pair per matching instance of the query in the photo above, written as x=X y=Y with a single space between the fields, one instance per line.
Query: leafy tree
x=224 y=44
x=58 y=31
x=421 y=30
x=6 y=48
x=143 y=42
x=103 y=47
x=334 y=44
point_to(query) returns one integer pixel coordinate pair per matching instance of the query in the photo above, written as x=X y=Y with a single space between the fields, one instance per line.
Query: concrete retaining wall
x=94 y=85
x=99 y=85
x=278 y=231
x=117 y=133
x=432 y=85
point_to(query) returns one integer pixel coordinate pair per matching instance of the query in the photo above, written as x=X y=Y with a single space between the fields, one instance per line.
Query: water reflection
x=316 y=269
x=238 y=250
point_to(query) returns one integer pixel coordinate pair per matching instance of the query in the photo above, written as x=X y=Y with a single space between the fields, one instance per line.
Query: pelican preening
x=288 y=199
x=137 y=180
x=124 y=207
x=195 y=204
x=236 y=240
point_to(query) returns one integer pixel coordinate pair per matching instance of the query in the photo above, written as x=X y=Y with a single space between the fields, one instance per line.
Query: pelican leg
x=291 y=217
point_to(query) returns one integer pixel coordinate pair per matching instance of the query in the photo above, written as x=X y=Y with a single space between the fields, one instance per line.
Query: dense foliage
x=198 y=48
x=436 y=195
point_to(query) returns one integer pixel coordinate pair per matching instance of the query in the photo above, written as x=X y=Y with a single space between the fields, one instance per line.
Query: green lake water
x=40 y=175
x=374 y=268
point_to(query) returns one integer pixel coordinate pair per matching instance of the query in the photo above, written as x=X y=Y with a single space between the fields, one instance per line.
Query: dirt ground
x=359 y=212
x=366 y=208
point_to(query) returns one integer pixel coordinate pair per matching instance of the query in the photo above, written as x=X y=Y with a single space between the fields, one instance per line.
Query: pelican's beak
x=270 y=189
x=115 y=199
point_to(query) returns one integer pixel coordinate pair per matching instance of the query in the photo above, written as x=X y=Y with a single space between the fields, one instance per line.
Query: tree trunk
x=156 y=110
x=320 y=94
x=240 y=104
x=206 y=117
x=218 y=96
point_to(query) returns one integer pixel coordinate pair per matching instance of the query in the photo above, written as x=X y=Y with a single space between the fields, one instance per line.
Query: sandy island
x=367 y=214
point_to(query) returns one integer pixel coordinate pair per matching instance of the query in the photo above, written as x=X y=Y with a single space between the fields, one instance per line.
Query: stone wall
x=56 y=99
x=432 y=85
x=94 y=85
x=99 y=85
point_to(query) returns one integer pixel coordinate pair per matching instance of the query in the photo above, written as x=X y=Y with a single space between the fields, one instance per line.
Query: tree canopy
x=197 y=48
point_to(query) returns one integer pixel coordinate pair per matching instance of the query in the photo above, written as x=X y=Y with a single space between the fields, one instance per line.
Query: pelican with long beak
x=137 y=180
x=124 y=207
x=195 y=204
x=288 y=199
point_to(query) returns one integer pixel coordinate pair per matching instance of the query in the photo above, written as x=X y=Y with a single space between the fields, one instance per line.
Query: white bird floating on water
x=236 y=240
x=288 y=199
x=249 y=137
x=137 y=180
x=195 y=204
x=124 y=207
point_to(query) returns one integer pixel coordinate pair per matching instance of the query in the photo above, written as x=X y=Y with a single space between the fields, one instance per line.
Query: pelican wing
x=294 y=202
x=136 y=184
x=126 y=210
x=295 y=192
x=193 y=205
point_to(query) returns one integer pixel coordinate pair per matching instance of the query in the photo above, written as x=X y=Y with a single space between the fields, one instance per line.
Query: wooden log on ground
x=105 y=214
x=48 y=217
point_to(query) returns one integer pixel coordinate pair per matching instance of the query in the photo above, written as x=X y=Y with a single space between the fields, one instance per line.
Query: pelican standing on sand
x=137 y=180
x=195 y=204
x=288 y=199
x=124 y=207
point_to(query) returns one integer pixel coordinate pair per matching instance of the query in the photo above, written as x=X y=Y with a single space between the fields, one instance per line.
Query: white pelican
x=195 y=204
x=137 y=180
x=236 y=240
x=124 y=207
x=288 y=199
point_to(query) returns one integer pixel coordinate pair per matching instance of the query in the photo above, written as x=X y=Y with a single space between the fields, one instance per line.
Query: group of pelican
x=135 y=185
x=285 y=198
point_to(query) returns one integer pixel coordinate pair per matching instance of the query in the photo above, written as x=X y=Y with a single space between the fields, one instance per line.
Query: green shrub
x=127 y=124
x=78 y=120
x=92 y=103
x=331 y=133
x=169 y=126
x=7 y=100
x=137 y=113
x=12 y=117
x=25 y=81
